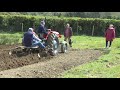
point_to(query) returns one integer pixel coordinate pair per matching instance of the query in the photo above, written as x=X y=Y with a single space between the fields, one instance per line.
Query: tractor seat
x=32 y=47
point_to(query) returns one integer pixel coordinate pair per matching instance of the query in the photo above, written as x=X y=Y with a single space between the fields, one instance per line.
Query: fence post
x=22 y=27
x=93 y=30
x=77 y=27
x=34 y=27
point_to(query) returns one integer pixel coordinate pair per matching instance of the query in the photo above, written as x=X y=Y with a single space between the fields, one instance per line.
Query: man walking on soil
x=68 y=34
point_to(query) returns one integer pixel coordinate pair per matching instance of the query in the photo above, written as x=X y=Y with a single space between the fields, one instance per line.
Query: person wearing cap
x=42 y=30
x=30 y=40
x=109 y=35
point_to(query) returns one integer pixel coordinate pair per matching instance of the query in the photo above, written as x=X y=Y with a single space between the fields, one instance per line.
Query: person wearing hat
x=109 y=35
x=42 y=30
x=30 y=40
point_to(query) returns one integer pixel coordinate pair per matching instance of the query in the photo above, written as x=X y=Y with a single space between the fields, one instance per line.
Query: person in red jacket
x=110 y=35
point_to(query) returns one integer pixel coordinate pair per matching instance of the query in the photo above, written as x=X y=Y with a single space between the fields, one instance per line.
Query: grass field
x=107 y=66
x=10 y=38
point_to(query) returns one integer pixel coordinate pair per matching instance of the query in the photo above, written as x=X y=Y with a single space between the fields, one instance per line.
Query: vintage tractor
x=51 y=40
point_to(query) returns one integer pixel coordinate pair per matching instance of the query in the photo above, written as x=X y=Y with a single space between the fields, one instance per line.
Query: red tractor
x=51 y=40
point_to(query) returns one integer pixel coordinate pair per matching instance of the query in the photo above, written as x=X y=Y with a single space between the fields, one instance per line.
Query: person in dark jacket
x=31 y=40
x=42 y=29
x=110 y=35
x=68 y=34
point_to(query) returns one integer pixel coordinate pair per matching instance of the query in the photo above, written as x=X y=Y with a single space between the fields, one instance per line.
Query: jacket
x=27 y=39
x=42 y=29
x=69 y=32
x=110 y=34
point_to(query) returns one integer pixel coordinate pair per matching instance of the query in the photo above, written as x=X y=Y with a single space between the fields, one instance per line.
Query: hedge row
x=79 y=25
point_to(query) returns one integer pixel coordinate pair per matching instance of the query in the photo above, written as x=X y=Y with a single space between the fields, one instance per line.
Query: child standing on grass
x=110 y=35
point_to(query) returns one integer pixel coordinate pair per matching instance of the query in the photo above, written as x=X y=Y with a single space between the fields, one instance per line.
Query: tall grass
x=6 y=38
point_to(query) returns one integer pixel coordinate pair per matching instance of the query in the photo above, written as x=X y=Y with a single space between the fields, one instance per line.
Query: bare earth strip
x=34 y=67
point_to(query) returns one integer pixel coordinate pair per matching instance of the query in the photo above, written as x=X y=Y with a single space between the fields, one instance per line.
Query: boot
x=70 y=43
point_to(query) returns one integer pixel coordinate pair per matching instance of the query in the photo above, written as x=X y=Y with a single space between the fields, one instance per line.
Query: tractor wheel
x=53 y=44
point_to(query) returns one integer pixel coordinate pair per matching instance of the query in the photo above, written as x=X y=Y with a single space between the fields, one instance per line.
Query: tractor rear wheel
x=53 y=44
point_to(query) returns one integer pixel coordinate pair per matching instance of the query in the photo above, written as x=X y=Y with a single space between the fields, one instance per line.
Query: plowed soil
x=31 y=66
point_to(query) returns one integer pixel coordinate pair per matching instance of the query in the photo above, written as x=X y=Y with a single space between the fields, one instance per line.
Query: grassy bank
x=10 y=38
x=107 y=66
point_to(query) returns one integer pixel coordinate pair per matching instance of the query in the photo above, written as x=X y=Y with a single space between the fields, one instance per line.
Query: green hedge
x=79 y=25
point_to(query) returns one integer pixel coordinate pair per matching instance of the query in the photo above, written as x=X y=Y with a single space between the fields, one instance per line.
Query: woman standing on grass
x=110 y=35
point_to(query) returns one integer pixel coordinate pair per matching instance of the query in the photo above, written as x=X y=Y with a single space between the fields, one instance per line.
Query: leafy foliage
x=79 y=25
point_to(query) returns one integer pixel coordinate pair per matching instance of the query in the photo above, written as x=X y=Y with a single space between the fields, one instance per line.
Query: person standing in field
x=110 y=35
x=42 y=29
x=68 y=34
